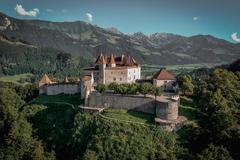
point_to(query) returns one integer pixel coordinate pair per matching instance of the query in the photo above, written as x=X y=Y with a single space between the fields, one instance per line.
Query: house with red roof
x=165 y=79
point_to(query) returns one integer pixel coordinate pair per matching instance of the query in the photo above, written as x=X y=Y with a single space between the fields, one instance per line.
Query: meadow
x=149 y=69
x=20 y=79
x=61 y=98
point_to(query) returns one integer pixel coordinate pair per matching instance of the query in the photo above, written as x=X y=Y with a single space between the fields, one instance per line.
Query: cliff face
x=81 y=38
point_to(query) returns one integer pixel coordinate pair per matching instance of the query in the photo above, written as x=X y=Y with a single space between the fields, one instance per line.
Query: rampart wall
x=162 y=108
x=60 y=88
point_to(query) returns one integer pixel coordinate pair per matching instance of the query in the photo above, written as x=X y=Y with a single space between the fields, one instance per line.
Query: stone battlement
x=55 y=89
x=163 y=107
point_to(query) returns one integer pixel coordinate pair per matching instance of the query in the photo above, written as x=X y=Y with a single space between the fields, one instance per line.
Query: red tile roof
x=65 y=80
x=46 y=80
x=130 y=62
x=120 y=61
x=87 y=78
x=164 y=75
x=112 y=59
x=101 y=59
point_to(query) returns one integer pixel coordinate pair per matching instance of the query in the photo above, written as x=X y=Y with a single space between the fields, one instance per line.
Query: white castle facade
x=115 y=69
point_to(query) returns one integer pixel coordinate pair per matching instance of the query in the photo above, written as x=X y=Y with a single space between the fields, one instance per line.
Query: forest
x=58 y=131
x=18 y=57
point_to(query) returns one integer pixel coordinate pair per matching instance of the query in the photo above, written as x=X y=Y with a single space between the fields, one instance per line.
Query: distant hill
x=17 y=57
x=81 y=38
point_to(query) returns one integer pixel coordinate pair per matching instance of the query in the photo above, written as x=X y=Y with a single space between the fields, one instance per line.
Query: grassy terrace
x=123 y=114
x=188 y=109
x=61 y=98
x=17 y=79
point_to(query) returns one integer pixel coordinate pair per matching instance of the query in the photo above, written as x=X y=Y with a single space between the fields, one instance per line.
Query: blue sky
x=220 y=18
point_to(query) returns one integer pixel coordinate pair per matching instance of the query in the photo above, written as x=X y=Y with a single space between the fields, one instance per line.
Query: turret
x=112 y=62
x=45 y=80
x=65 y=80
x=101 y=63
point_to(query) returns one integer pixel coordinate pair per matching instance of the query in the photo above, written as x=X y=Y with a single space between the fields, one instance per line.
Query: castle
x=106 y=70
x=114 y=69
x=120 y=70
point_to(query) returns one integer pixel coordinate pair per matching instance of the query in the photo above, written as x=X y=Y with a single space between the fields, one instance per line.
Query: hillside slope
x=17 y=57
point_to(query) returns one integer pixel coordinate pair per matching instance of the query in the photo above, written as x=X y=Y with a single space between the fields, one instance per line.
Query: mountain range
x=84 y=39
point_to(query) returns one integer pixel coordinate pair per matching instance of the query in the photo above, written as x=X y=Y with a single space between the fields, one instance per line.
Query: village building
x=165 y=80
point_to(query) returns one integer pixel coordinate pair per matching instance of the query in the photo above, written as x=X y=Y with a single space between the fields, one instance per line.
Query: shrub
x=145 y=88
x=121 y=89
x=133 y=88
x=101 y=88
x=112 y=86
x=156 y=91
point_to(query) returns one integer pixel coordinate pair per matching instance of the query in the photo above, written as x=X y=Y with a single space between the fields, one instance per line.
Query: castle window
x=134 y=77
x=120 y=79
x=114 y=79
x=111 y=72
x=121 y=72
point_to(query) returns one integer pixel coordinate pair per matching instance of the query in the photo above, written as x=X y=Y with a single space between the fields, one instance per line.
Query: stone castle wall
x=56 y=89
x=162 y=109
x=167 y=110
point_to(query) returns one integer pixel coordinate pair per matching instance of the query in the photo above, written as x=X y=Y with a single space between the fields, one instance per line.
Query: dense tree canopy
x=16 y=140
x=26 y=58
x=186 y=84
x=218 y=97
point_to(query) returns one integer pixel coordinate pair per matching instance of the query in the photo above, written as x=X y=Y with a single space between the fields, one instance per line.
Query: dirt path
x=125 y=121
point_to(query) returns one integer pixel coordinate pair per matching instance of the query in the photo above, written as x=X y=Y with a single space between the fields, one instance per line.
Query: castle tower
x=101 y=63
x=65 y=80
x=112 y=62
x=123 y=60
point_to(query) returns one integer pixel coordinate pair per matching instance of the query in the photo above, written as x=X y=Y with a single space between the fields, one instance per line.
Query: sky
x=220 y=18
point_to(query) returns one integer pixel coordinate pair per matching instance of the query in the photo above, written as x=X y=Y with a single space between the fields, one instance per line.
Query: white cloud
x=89 y=17
x=196 y=18
x=235 y=37
x=22 y=12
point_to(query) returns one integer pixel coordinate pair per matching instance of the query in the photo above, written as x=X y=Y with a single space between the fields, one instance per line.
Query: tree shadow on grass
x=188 y=109
x=148 y=118
x=186 y=102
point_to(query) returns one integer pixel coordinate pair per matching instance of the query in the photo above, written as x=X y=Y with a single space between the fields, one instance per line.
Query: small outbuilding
x=165 y=79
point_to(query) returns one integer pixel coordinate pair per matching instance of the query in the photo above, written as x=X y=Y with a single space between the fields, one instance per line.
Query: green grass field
x=17 y=79
x=188 y=109
x=123 y=114
x=148 y=70
x=61 y=98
